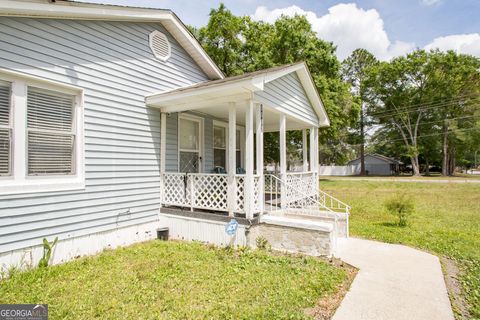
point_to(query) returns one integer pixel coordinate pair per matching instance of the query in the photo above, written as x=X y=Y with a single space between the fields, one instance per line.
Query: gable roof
x=379 y=157
x=245 y=83
x=90 y=11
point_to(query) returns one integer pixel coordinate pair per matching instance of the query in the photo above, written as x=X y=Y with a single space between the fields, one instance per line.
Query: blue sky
x=386 y=27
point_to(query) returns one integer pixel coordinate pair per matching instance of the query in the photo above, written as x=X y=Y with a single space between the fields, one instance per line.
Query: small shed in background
x=378 y=165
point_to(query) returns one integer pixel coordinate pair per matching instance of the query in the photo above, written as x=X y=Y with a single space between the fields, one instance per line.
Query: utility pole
x=362 y=142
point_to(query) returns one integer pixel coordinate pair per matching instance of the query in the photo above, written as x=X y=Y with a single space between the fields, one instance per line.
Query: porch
x=212 y=147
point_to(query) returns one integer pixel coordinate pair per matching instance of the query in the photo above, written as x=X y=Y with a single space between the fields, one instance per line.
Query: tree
x=393 y=90
x=456 y=79
x=239 y=44
x=429 y=99
x=355 y=70
x=221 y=39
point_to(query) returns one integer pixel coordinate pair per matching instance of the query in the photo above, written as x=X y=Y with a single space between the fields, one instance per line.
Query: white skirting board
x=209 y=231
x=69 y=249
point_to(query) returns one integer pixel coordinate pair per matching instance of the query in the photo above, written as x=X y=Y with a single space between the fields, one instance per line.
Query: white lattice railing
x=240 y=193
x=298 y=193
x=307 y=182
x=176 y=189
x=207 y=191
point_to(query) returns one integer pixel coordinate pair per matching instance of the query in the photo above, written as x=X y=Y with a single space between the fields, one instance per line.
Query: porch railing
x=298 y=194
x=207 y=191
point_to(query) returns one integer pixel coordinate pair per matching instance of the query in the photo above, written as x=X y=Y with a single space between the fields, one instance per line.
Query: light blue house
x=114 y=122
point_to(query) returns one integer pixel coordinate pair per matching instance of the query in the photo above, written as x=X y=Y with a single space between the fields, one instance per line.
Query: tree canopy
x=422 y=107
x=240 y=44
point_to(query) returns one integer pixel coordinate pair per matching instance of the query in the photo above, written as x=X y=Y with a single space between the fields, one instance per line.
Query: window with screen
x=219 y=146
x=51 y=134
x=5 y=130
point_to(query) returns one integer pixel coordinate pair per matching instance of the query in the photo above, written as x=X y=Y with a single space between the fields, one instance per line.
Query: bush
x=401 y=206
x=262 y=243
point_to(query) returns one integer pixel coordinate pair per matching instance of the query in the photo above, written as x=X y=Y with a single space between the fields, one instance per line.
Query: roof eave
x=88 y=11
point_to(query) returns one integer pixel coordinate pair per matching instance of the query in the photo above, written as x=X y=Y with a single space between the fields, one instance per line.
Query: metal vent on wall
x=160 y=45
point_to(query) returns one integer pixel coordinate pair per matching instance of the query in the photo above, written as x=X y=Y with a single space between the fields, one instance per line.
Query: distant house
x=378 y=165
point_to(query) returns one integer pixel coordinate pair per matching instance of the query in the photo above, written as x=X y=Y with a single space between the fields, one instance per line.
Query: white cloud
x=430 y=2
x=462 y=43
x=348 y=27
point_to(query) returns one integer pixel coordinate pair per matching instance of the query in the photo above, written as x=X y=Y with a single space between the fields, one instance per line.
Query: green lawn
x=446 y=222
x=177 y=280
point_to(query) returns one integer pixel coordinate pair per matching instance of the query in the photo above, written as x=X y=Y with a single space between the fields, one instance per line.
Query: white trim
x=20 y=182
x=304 y=150
x=248 y=190
x=201 y=95
x=155 y=53
x=232 y=158
x=259 y=136
x=89 y=11
x=312 y=149
x=283 y=146
x=241 y=129
x=201 y=151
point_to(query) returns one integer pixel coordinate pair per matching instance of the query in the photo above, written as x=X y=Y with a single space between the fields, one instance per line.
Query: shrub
x=401 y=206
x=47 y=252
x=262 y=243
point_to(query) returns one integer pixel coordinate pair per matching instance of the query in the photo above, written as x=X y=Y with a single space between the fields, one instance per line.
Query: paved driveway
x=395 y=282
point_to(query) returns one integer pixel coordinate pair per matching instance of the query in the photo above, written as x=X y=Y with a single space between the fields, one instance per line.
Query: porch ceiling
x=271 y=118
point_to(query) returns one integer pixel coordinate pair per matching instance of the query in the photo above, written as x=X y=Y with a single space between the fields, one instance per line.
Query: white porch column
x=259 y=134
x=249 y=196
x=163 y=151
x=283 y=157
x=304 y=150
x=314 y=150
x=232 y=157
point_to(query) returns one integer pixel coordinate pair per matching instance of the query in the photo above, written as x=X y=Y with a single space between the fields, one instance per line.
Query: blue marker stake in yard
x=231 y=227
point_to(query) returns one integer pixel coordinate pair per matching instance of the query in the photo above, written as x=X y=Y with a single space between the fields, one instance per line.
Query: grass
x=446 y=222
x=177 y=280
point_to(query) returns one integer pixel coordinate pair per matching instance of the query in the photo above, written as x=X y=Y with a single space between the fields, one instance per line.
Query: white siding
x=287 y=94
x=113 y=62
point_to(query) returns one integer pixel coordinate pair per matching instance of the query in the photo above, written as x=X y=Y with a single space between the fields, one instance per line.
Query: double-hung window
x=51 y=132
x=41 y=135
x=5 y=129
x=220 y=146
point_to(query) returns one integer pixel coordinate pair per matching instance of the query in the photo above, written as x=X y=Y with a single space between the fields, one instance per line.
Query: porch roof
x=213 y=96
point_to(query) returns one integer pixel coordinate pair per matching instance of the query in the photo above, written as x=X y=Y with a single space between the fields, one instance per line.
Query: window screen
x=5 y=129
x=51 y=137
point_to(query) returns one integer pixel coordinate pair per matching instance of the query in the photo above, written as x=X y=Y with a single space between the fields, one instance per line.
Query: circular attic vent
x=160 y=45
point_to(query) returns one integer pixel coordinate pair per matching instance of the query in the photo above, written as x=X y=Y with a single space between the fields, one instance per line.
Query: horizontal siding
x=171 y=156
x=113 y=62
x=287 y=94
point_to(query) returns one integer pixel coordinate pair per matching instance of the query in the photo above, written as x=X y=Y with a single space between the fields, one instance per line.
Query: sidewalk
x=394 y=282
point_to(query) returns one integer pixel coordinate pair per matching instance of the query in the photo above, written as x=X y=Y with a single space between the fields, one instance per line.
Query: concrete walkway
x=394 y=282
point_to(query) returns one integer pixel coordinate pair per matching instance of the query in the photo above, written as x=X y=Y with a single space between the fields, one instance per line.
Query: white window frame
x=19 y=181
x=201 y=149
x=221 y=125
x=241 y=147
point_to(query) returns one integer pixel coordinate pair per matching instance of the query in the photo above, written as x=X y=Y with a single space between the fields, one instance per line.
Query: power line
x=460 y=97
x=435 y=134
x=437 y=121
x=394 y=112
x=423 y=136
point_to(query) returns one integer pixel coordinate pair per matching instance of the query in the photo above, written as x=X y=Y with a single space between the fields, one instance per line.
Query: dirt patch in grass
x=455 y=289
x=327 y=305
